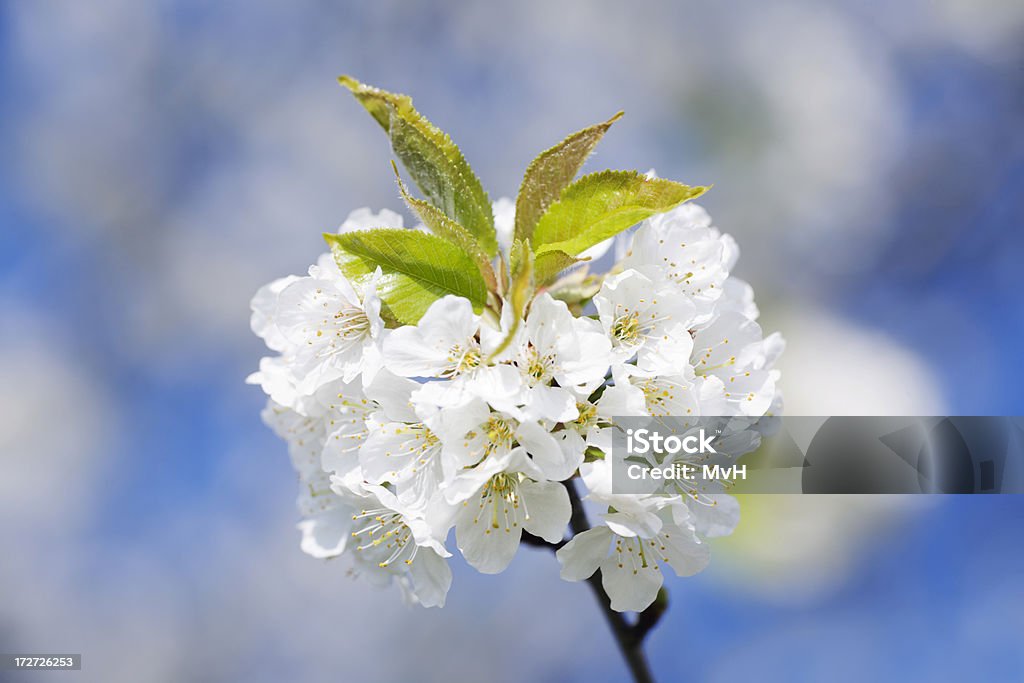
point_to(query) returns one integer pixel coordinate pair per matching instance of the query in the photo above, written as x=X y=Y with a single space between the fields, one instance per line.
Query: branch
x=630 y=638
x=650 y=617
x=538 y=542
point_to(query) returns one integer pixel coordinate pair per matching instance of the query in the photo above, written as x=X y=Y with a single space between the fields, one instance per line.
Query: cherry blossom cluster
x=400 y=434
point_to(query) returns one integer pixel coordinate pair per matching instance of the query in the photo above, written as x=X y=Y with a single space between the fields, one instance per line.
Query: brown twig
x=629 y=637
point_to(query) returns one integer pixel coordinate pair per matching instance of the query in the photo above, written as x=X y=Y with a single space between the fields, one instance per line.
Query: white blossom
x=643 y=392
x=335 y=330
x=475 y=431
x=556 y=346
x=631 y=566
x=264 y=313
x=473 y=423
x=682 y=246
x=645 y=318
x=641 y=533
x=443 y=344
x=390 y=542
x=732 y=350
x=498 y=501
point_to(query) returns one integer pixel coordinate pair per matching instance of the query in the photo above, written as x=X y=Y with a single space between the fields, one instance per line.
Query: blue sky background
x=162 y=160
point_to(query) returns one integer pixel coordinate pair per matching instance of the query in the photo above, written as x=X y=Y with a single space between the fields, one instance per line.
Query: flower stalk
x=630 y=638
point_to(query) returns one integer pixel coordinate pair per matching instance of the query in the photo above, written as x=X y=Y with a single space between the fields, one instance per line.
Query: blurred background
x=162 y=160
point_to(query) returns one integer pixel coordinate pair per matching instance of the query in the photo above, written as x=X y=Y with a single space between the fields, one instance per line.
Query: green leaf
x=376 y=101
x=551 y=172
x=445 y=227
x=550 y=263
x=433 y=161
x=417 y=269
x=523 y=283
x=601 y=205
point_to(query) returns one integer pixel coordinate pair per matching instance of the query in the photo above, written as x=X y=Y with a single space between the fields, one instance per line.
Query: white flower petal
x=582 y=555
x=326 y=534
x=431 y=578
x=544 y=452
x=449 y=320
x=547 y=509
x=631 y=585
x=550 y=403
x=487 y=543
x=388 y=452
x=622 y=400
x=714 y=515
x=407 y=355
x=394 y=394
x=364 y=218
x=504 y=210
x=499 y=385
x=683 y=551
x=638 y=522
x=264 y=312
x=468 y=482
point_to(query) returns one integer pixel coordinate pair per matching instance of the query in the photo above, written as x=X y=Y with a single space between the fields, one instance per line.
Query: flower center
x=538 y=367
x=463 y=359
x=588 y=416
x=501 y=495
x=384 y=535
x=339 y=331
x=626 y=328
x=429 y=439
x=499 y=435
x=631 y=553
x=352 y=323
x=425 y=445
x=702 y=357
x=659 y=395
x=504 y=485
